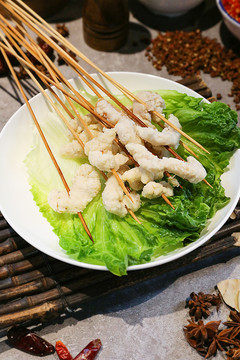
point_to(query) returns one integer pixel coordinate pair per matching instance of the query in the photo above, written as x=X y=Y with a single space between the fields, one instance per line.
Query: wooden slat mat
x=36 y=287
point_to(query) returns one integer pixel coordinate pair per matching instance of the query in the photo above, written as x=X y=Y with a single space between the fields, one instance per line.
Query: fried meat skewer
x=165 y=198
x=124 y=91
x=171 y=151
x=33 y=24
x=61 y=115
x=43 y=137
x=114 y=172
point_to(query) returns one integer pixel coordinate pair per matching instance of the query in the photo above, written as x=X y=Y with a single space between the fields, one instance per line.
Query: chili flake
x=233 y=8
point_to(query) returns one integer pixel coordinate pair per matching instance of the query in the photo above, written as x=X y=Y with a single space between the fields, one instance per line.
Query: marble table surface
x=144 y=321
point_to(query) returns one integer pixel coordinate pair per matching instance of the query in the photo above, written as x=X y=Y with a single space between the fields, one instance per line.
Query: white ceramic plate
x=16 y=202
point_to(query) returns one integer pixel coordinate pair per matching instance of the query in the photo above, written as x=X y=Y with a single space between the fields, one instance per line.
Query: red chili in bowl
x=233 y=8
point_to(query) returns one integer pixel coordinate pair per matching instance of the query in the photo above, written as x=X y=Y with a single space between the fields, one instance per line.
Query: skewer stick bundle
x=65 y=121
x=35 y=22
x=42 y=29
x=43 y=137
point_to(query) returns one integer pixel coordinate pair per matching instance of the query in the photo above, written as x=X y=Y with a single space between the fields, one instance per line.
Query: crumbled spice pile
x=22 y=74
x=209 y=338
x=186 y=53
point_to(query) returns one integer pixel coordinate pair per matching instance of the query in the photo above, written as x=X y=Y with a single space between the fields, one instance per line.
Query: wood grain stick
x=52 y=308
x=18 y=255
x=12 y=244
x=24 y=278
x=22 y=266
x=227 y=230
x=6 y=233
x=3 y=224
x=41 y=285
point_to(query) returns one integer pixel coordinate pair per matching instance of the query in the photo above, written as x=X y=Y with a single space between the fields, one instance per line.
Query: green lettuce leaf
x=118 y=242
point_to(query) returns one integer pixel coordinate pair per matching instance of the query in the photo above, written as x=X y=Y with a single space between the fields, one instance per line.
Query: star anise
x=196 y=344
x=234 y=324
x=200 y=303
x=233 y=354
x=200 y=335
x=221 y=341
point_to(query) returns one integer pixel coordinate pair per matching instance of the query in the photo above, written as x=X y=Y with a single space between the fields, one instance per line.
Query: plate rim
x=156 y=262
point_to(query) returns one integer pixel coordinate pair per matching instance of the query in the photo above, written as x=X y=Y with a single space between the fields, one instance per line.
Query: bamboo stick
x=56 y=306
x=53 y=73
x=18 y=255
x=59 y=86
x=135 y=118
x=32 y=25
x=45 y=285
x=229 y=228
x=62 y=272
x=3 y=224
x=120 y=182
x=11 y=244
x=43 y=138
x=7 y=233
x=42 y=271
x=22 y=266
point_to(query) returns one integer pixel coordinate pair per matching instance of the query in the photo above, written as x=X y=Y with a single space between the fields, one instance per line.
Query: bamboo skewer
x=125 y=109
x=57 y=110
x=77 y=137
x=66 y=122
x=58 y=36
x=45 y=94
x=31 y=23
x=120 y=182
x=43 y=137
x=90 y=108
x=132 y=96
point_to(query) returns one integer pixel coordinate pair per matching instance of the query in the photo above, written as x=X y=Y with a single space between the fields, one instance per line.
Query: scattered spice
x=60 y=60
x=186 y=53
x=62 y=29
x=232 y=7
x=200 y=303
x=234 y=324
x=28 y=341
x=208 y=338
x=62 y=351
x=233 y=354
x=21 y=73
x=3 y=66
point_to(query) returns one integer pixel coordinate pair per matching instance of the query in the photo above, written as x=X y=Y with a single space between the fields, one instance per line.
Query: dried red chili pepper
x=62 y=351
x=26 y=340
x=90 y=351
